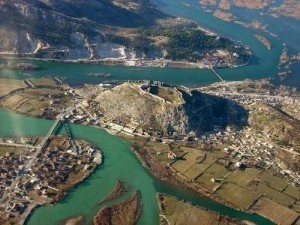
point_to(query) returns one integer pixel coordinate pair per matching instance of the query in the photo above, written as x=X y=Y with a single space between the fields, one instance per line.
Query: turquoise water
x=263 y=64
x=120 y=163
x=76 y=74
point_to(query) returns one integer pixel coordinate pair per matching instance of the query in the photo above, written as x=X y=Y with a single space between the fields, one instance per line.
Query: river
x=263 y=64
x=120 y=163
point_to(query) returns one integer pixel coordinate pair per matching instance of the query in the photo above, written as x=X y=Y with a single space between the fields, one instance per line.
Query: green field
x=275 y=195
x=217 y=171
x=42 y=82
x=278 y=213
x=292 y=191
x=272 y=181
x=189 y=166
x=238 y=196
x=8 y=85
x=243 y=178
x=205 y=181
x=181 y=213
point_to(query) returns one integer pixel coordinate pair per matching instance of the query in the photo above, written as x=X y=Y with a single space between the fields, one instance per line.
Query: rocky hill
x=168 y=109
x=102 y=29
x=28 y=26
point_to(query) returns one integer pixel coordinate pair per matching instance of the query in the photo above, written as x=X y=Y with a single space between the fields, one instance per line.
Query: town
x=251 y=146
x=209 y=161
x=33 y=175
x=246 y=143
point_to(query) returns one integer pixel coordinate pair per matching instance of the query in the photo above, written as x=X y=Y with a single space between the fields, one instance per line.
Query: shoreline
x=162 y=63
x=180 y=179
x=126 y=211
x=63 y=193
x=146 y=163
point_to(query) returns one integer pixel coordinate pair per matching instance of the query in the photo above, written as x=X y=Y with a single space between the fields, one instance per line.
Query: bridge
x=54 y=125
x=38 y=148
x=71 y=137
x=218 y=75
x=44 y=141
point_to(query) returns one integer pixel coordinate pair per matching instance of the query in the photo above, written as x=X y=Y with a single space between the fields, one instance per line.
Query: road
x=39 y=148
x=252 y=95
x=44 y=141
x=17 y=145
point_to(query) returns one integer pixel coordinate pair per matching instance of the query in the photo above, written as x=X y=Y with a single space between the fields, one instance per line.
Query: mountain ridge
x=109 y=30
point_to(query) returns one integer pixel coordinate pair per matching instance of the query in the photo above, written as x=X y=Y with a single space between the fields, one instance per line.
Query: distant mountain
x=102 y=29
x=27 y=25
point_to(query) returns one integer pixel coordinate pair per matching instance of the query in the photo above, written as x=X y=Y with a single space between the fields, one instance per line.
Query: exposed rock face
x=18 y=42
x=128 y=102
x=113 y=30
x=69 y=29
x=168 y=109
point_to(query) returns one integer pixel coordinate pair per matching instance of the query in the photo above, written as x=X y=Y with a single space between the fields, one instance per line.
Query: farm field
x=189 y=164
x=215 y=171
x=273 y=181
x=173 y=211
x=275 y=195
x=9 y=85
x=42 y=82
x=280 y=214
x=243 y=178
x=33 y=101
x=238 y=196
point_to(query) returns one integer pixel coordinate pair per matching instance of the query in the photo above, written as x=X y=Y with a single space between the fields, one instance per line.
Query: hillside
x=103 y=29
x=67 y=24
x=168 y=109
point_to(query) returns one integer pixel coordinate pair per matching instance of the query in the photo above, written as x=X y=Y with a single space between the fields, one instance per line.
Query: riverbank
x=175 y=211
x=118 y=190
x=48 y=177
x=167 y=174
x=126 y=212
x=63 y=193
x=19 y=66
x=138 y=62
x=119 y=156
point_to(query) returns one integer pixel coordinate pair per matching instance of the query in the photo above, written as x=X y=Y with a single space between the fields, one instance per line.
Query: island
x=264 y=41
x=289 y=8
x=119 y=189
x=126 y=212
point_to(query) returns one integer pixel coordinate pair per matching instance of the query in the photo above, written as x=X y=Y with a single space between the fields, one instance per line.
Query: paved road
x=39 y=148
x=17 y=145
x=252 y=95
